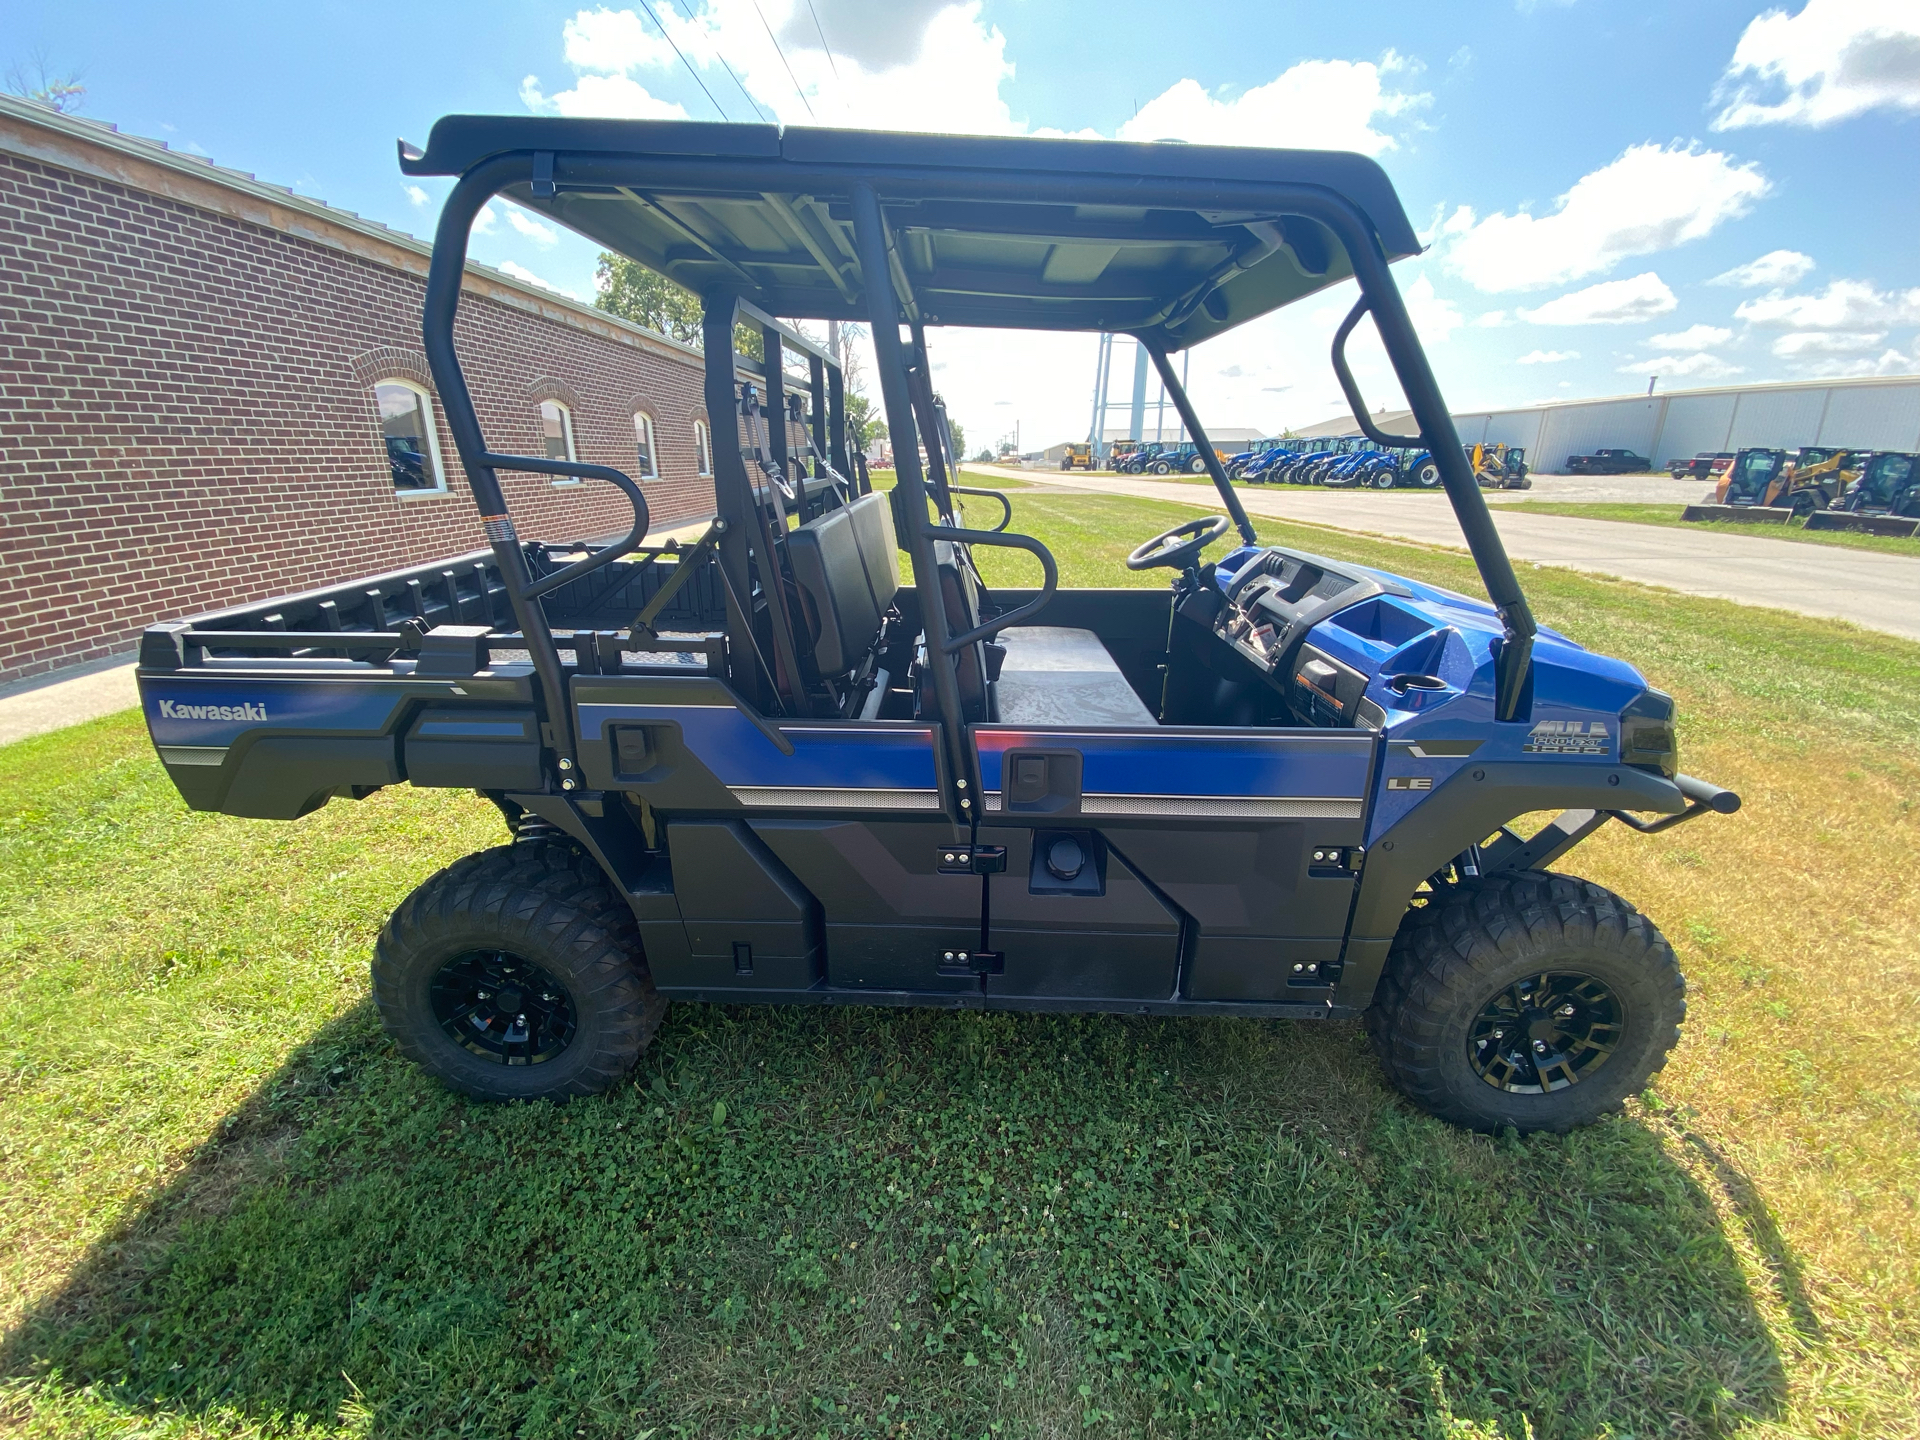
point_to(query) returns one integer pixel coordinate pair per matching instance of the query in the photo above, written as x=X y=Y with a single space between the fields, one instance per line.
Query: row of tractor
x=1354 y=464
x=1822 y=487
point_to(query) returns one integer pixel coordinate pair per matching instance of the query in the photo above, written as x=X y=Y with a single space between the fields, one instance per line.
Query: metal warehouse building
x=1876 y=414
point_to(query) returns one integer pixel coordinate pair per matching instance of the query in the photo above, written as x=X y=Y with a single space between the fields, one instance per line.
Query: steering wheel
x=1180 y=546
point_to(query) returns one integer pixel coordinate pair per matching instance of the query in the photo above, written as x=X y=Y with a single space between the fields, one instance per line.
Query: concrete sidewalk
x=66 y=697
x=1871 y=588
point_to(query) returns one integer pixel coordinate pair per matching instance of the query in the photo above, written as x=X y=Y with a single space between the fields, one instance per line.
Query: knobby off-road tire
x=534 y=912
x=1484 y=949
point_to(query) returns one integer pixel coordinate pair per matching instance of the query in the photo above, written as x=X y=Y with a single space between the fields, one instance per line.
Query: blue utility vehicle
x=773 y=765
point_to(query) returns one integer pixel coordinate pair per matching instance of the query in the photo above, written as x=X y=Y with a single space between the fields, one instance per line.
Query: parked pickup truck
x=1707 y=465
x=1608 y=462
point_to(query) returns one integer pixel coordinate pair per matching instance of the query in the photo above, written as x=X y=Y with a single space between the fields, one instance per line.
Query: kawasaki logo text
x=171 y=710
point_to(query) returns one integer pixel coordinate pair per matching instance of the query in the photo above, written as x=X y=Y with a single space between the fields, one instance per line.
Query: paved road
x=1878 y=591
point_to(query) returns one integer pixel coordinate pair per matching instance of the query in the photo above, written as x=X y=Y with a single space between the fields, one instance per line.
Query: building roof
x=91 y=147
x=1392 y=421
x=1812 y=382
x=1170 y=241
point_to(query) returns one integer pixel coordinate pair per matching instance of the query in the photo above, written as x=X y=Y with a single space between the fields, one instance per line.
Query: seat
x=848 y=570
x=1064 y=677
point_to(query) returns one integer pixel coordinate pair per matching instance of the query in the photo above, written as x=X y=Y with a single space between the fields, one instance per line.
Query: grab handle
x=537 y=465
x=1049 y=582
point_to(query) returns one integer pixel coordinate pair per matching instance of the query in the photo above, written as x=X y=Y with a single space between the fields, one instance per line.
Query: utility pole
x=1137 y=421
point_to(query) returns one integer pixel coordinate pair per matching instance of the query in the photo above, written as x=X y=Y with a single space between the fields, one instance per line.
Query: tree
x=33 y=79
x=647 y=298
x=959 y=434
x=985 y=457
x=867 y=423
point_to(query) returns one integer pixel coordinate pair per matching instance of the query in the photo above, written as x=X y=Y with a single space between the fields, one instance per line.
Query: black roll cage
x=773 y=681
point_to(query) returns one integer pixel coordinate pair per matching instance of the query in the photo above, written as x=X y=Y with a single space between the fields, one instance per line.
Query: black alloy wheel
x=503 y=1008
x=1545 y=1033
x=1525 y=999
x=517 y=974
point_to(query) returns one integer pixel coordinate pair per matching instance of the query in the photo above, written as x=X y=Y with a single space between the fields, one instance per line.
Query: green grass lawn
x=1638 y=514
x=228 y=1209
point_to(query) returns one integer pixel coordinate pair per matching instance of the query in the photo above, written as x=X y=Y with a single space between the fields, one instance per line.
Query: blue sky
x=1709 y=192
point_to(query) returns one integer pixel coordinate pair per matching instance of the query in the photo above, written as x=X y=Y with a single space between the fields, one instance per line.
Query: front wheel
x=516 y=974
x=1382 y=479
x=1528 y=1000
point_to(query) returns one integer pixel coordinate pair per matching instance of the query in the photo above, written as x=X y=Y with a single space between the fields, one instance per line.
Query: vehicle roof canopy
x=1168 y=241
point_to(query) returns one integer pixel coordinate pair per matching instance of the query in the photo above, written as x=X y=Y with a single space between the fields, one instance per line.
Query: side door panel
x=1226 y=825
x=1086 y=926
x=891 y=916
x=818 y=842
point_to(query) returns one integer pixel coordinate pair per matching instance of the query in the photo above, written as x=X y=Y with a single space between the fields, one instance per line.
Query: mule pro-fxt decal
x=1569 y=737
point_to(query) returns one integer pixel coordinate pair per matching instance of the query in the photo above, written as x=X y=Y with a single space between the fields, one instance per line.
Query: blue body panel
x=216 y=711
x=1577 y=695
x=875 y=755
x=1275 y=764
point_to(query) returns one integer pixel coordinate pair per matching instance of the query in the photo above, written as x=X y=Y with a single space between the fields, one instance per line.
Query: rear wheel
x=1195 y=465
x=516 y=974
x=1427 y=474
x=1528 y=1000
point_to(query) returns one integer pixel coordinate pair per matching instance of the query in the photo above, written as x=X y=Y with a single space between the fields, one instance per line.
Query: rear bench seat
x=847 y=565
x=1064 y=677
x=848 y=569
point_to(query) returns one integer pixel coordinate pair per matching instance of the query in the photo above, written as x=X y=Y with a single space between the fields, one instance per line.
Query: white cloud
x=1492 y=320
x=486 y=218
x=520 y=272
x=1699 y=366
x=1843 y=305
x=541 y=235
x=1611 y=302
x=1434 y=317
x=612 y=42
x=1834 y=60
x=1547 y=357
x=1313 y=105
x=1776 y=267
x=1694 y=337
x=417 y=195
x=1651 y=198
x=930 y=65
x=613 y=96
x=1892 y=362
x=1827 y=342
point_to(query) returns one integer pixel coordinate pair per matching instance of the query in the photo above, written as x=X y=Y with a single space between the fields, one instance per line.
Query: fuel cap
x=1065 y=858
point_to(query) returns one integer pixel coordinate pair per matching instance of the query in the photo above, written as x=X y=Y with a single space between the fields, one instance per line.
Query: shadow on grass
x=841 y=1221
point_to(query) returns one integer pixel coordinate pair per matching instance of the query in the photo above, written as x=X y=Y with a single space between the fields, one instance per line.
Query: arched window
x=643 y=444
x=703 y=446
x=413 y=449
x=556 y=436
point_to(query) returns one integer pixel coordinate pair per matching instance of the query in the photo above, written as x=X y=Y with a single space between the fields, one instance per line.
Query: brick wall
x=187 y=416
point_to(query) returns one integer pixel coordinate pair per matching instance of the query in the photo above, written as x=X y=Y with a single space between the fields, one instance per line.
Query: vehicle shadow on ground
x=839 y=1221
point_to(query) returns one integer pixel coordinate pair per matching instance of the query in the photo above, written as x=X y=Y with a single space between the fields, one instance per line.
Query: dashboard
x=1274 y=598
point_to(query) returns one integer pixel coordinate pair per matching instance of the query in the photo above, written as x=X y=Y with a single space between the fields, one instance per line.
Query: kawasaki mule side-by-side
x=767 y=766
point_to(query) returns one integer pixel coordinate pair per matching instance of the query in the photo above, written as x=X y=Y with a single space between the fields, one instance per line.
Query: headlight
x=1646 y=734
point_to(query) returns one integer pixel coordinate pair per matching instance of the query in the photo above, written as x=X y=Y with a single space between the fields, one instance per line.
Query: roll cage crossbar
x=750 y=509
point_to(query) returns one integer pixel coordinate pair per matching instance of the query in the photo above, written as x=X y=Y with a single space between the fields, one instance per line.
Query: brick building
x=212 y=390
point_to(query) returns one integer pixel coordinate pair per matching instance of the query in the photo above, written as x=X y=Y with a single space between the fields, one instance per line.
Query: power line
x=823 y=44
x=783 y=59
x=759 y=114
x=683 y=59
